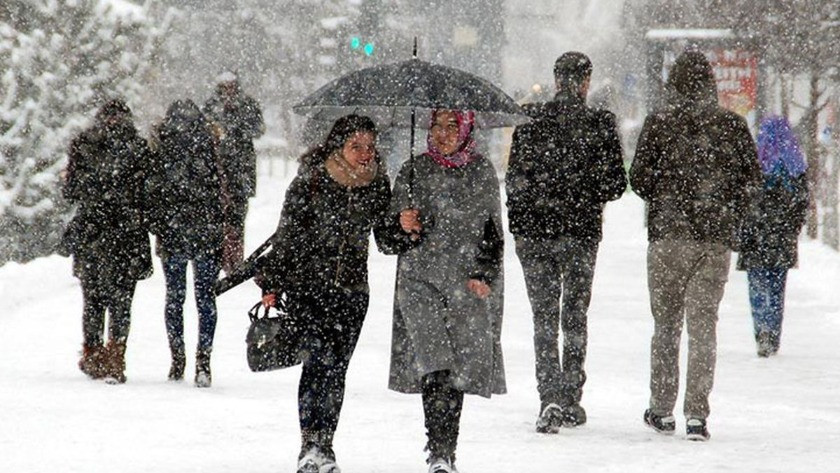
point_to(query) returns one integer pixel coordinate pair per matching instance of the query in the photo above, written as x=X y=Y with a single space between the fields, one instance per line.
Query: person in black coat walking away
x=564 y=166
x=107 y=237
x=768 y=240
x=237 y=120
x=319 y=261
x=696 y=167
x=186 y=216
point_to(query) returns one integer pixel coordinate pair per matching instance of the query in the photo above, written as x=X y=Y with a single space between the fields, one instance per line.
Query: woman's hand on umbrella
x=410 y=221
x=269 y=300
x=479 y=288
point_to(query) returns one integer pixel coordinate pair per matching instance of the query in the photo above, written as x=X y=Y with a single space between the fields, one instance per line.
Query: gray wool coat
x=438 y=324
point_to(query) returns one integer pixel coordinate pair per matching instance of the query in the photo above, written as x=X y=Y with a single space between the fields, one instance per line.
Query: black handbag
x=274 y=341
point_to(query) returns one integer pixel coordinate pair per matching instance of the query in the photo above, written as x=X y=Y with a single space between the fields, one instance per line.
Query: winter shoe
x=695 y=429
x=92 y=362
x=441 y=465
x=316 y=459
x=662 y=424
x=203 y=379
x=573 y=416
x=115 y=363
x=176 y=370
x=550 y=420
x=764 y=344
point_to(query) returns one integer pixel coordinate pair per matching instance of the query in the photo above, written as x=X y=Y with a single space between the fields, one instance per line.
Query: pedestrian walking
x=564 y=167
x=185 y=201
x=448 y=301
x=237 y=121
x=107 y=236
x=768 y=245
x=696 y=168
x=319 y=261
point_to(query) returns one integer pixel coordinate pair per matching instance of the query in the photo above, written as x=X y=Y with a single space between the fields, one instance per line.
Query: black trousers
x=101 y=295
x=334 y=321
x=442 y=405
x=558 y=270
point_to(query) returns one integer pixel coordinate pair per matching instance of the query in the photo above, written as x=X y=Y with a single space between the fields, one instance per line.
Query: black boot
x=203 y=379
x=179 y=361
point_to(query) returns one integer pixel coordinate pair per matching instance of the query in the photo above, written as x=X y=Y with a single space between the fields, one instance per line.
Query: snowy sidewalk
x=768 y=415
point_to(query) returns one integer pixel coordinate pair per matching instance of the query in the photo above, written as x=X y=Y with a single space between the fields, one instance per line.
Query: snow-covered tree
x=59 y=59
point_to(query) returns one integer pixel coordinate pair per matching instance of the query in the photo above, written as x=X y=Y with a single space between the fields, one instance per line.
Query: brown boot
x=92 y=362
x=115 y=363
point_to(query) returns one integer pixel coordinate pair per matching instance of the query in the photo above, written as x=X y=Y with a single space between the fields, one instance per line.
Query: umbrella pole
x=411 y=159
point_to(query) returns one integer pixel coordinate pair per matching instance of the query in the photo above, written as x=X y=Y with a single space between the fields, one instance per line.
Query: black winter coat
x=241 y=122
x=323 y=235
x=564 y=166
x=184 y=188
x=696 y=166
x=768 y=237
x=108 y=237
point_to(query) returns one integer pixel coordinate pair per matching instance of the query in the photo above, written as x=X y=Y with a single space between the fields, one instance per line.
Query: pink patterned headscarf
x=465 y=151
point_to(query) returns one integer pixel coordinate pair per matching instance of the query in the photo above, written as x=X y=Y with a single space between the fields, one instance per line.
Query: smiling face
x=360 y=149
x=444 y=132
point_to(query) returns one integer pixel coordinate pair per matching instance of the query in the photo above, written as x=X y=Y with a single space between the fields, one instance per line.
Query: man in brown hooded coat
x=696 y=167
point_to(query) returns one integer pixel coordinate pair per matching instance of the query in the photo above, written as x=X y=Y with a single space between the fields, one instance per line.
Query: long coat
x=184 y=187
x=241 y=122
x=105 y=173
x=438 y=324
x=564 y=166
x=768 y=237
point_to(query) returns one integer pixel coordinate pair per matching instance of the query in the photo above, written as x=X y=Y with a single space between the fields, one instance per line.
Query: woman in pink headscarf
x=448 y=302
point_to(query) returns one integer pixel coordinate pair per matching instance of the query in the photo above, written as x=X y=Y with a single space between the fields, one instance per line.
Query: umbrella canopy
x=390 y=93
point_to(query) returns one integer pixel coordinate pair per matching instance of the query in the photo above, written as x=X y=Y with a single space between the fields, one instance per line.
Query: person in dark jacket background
x=319 y=261
x=696 y=167
x=185 y=202
x=564 y=166
x=448 y=302
x=237 y=120
x=107 y=237
x=768 y=244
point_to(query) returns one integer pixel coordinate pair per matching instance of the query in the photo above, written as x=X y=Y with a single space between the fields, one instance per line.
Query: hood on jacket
x=691 y=81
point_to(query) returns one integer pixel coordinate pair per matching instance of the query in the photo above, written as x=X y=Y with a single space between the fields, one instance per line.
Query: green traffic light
x=355 y=42
x=369 y=49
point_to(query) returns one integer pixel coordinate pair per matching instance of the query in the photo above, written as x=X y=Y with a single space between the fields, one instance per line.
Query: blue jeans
x=767 y=299
x=205 y=272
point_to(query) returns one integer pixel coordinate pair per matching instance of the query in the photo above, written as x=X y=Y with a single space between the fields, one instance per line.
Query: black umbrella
x=391 y=93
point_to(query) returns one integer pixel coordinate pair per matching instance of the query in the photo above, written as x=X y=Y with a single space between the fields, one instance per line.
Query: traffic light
x=367 y=48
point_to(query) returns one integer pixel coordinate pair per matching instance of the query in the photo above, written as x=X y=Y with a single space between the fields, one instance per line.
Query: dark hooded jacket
x=241 y=121
x=107 y=236
x=696 y=163
x=563 y=167
x=184 y=187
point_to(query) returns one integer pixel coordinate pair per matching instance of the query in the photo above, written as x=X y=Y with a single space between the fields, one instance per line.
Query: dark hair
x=572 y=68
x=116 y=107
x=342 y=130
x=692 y=77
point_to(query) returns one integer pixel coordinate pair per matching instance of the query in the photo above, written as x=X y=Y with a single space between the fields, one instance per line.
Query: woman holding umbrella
x=319 y=261
x=448 y=302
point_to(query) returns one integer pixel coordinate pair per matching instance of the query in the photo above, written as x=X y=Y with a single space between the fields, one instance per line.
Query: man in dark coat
x=696 y=167
x=107 y=237
x=564 y=166
x=237 y=121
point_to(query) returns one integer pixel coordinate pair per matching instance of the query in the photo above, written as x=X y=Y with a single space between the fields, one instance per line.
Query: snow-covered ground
x=768 y=415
